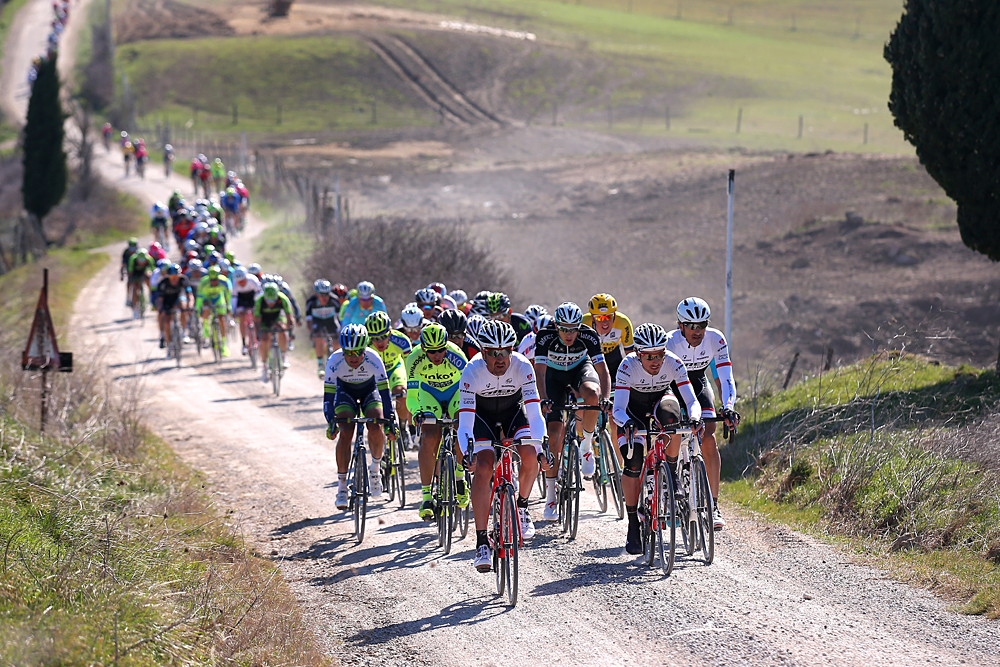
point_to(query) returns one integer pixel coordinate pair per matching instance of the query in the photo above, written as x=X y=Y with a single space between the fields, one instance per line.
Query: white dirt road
x=773 y=596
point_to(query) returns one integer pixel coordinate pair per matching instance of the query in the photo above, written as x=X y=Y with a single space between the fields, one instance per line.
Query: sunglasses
x=354 y=353
x=501 y=353
x=441 y=351
x=604 y=318
x=412 y=329
x=426 y=306
x=379 y=339
x=653 y=357
x=497 y=316
x=567 y=329
x=697 y=326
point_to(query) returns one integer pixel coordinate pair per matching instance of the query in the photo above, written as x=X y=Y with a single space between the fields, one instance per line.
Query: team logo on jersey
x=530 y=377
x=466 y=384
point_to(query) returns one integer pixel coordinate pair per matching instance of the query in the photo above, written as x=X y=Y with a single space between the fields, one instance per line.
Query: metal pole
x=44 y=336
x=729 y=261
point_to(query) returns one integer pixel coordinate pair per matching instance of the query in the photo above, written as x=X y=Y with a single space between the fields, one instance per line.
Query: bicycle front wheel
x=665 y=514
x=706 y=510
x=276 y=369
x=511 y=536
x=447 y=501
x=388 y=470
x=575 y=479
x=400 y=468
x=360 y=494
x=614 y=471
x=176 y=341
x=252 y=348
x=216 y=340
x=600 y=479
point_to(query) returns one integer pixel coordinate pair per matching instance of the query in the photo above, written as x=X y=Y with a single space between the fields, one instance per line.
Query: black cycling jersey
x=550 y=350
x=166 y=288
x=319 y=312
x=470 y=348
x=522 y=327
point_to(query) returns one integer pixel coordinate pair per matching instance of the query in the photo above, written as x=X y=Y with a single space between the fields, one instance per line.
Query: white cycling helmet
x=474 y=324
x=533 y=312
x=459 y=296
x=542 y=322
x=693 y=309
x=322 y=286
x=649 y=337
x=411 y=317
x=365 y=289
x=240 y=274
x=569 y=314
x=496 y=334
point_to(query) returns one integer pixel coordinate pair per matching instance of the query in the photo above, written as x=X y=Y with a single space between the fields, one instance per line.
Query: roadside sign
x=42 y=350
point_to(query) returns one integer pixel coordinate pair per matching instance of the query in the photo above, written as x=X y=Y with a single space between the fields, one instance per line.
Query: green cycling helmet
x=433 y=337
x=213 y=273
x=378 y=323
x=270 y=290
x=498 y=302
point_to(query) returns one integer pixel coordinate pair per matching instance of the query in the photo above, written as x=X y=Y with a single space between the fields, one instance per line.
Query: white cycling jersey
x=632 y=379
x=482 y=391
x=154 y=280
x=527 y=346
x=372 y=368
x=251 y=286
x=697 y=359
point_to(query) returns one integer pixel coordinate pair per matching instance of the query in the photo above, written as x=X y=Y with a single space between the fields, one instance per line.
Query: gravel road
x=773 y=596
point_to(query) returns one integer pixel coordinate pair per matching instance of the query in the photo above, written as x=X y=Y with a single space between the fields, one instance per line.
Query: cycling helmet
x=230 y=190
x=439 y=288
x=411 y=317
x=158 y=207
x=322 y=286
x=454 y=321
x=649 y=337
x=603 y=304
x=569 y=314
x=162 y=263
x=133 y=242
x=174 y=270
x=533 y=312
x=498 y=302
x=209 y=248
x=693 y=309
x=254 y=269
x=378 y=323
x=427 y=295
x=240 y=274
x=479 y=308
x=168 y=148
x=542 y=322
x=459 y=296
x=433 y=337
x=474 y=324
x=496 y=334
x=195 y=264
x=270 y=291
x=215 y=272
x=483 y=295
x=340 y=290
x=124 y=134
x=365 y=290
x=354 y=337
x=229 y=255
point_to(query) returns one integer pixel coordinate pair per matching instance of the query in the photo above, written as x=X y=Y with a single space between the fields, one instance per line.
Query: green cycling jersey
x=433 y=388
x=217 y=295
x=399 y=347
x=262 y=310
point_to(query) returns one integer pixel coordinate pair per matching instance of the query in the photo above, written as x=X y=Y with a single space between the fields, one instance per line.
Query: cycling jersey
x=171 y=292
x=399 y=348
x=231 y=203
x=433 y=387
x=550 y=350
x=244 y=295
x=522 y=325
x=620 y=336
x=470 y=348
x=345 y=387
x=215 y=296
x=271 y=313
x=353 y=313
x=527 y=346
x=140 y=265
x=697 y=359
x=637 y=392
x=316 y=311
x=486 y=400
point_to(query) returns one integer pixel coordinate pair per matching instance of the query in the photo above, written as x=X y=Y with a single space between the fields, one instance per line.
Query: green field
x=320 y=84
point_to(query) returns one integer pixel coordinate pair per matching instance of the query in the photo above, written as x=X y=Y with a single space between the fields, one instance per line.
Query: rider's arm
x=602 y=372
x=684 y=386
x=413 y=381
x=466 y=408
x=532 y=405
x=329 y=394
x=382 y=382
x=725 y=368
x=623 y=392
x=540 y=367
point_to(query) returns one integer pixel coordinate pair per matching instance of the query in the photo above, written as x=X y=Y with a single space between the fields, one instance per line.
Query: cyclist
x=392 y=347
x=461 y=300
x=130 y=249
x=204 y=174
x=106 y=133
x=356 y=383
x=168 y=159
x=212 y=299
x=321 y=318
x=526 y=346
x=158 y=222
x=498 y=308
x=455 y=323
x=433 y=370
x=159 y=272
x=643 y=386
x=246 y=289
x=569 y=354
x=429 y=303
x=361 y=306
x=173 y=291
x=493 y=388
x=231 y=208
x=412 y=322
x=182 y=226
x=218 y=173
x=141 y=156
x=128 y=152
x=615 y=330
x=272 y=313
x=698 y=346
x=285 y=289
x=140 y=268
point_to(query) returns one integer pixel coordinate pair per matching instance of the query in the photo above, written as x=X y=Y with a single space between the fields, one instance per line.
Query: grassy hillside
x=897 y=454
x=323 y=83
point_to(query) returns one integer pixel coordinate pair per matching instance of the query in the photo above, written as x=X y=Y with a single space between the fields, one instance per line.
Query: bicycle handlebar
x=362 y=420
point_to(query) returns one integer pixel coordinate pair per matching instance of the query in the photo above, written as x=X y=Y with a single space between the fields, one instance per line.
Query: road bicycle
x=194 y=330
x=253 y=345
x=394 y=467
x=444 y=486
x=176 y=346
x=569 y=481
x=357 y=473
x=694 y=497
x=607 y=477
x=275 y=365
x=504 y=534
x=215 y=337
x=138 y=301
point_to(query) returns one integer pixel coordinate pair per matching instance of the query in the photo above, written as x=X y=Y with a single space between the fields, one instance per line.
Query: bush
x=401 y=256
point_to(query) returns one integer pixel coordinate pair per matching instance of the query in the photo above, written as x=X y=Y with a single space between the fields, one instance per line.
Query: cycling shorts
x=702 y=386
x=169 y=302
x=137 y=277
x=667 y=411
x=216 y=304
x=158 y=223
x=442 y=404
x=513 y=424
x=614 y=359
x=397 y=377
x=350 y=398
x=245 y=300
x=269 y=323
x=322 y=328
x=556 y=381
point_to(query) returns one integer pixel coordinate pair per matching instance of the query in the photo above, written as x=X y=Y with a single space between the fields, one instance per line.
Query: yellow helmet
x=603 y=304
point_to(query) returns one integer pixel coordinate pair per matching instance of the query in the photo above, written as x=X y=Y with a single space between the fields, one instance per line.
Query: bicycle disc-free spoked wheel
x=216 y=340
x=509 y=536
x=600 y=479
x=253 y=348
x=276 y=368
x=176 y=341
x=614 y=471
x=573 y=484
x=541 y=483
x=665 y=514
x=706 y=518
x=446 y=504
x=646 y=527
x=399 y=470
x=360 y=500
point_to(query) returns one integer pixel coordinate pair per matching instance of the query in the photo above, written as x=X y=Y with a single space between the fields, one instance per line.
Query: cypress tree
x=945 y=58
x=44 y=159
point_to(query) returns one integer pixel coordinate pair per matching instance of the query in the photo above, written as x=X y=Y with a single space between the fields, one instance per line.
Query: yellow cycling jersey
x=399 y=347
x=620 y=334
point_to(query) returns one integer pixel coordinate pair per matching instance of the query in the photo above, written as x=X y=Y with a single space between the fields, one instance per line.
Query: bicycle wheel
x=388 y=469
x=706 y=520
x=600 y=479
x=176 y=340
x=447 y=501
x=194 y=331
x=511 y=538
x=665 y=514
x=252 y=346
x=541 y=483
x=648 y=522
x=276 y=369
x=400 y=468
x=574 y=490
x=614 y=471
x=496 y=536
x=216 y=337
x=360 y=493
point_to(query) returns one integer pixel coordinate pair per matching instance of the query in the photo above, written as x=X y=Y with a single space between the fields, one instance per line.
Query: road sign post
x=42 y=351
x=729 y=261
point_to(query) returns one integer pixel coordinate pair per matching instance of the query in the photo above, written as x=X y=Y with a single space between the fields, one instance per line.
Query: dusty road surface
x=772 y=596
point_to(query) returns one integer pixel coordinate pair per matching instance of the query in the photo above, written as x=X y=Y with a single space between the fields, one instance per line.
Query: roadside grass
x=320 y=83
x=7 y=13
x=896 y=456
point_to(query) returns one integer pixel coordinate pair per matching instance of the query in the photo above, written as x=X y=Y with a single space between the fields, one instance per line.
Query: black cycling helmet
x=454 y=321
